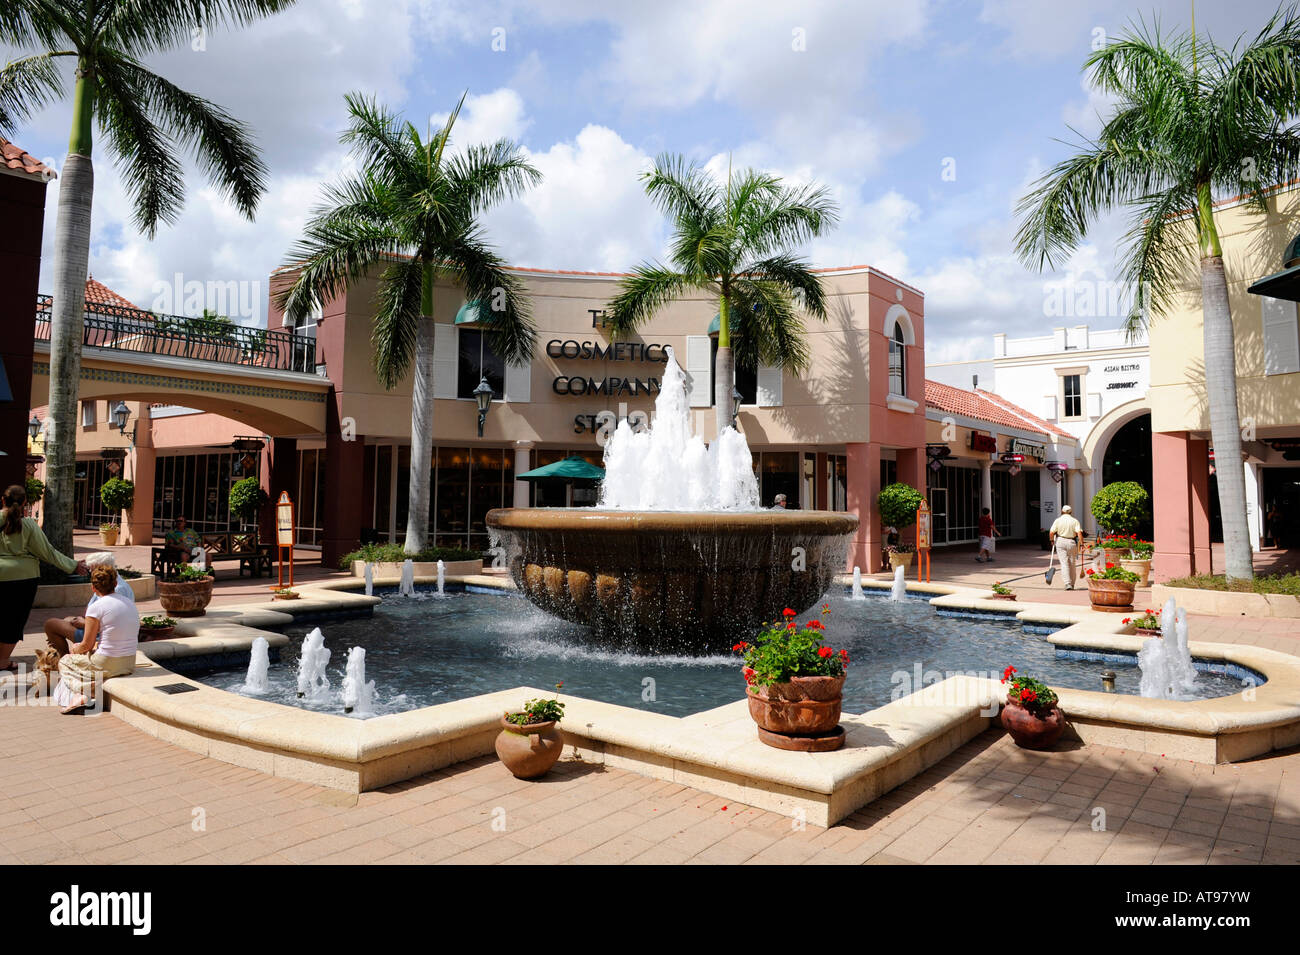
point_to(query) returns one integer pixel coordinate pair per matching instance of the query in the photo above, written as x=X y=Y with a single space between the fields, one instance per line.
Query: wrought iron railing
x=133 y=329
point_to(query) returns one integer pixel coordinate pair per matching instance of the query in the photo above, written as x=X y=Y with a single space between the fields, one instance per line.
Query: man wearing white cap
x=1064 y=538
x=60 y=631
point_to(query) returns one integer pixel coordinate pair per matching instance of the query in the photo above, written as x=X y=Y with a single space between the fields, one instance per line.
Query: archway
x=1127 y=455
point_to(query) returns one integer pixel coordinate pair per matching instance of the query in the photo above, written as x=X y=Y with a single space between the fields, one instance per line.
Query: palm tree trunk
x=67 y=322
x=417 y=515
x=724 y=369
x=1225 y=424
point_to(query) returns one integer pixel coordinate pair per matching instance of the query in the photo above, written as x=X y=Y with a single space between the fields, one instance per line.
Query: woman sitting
x=108 y=649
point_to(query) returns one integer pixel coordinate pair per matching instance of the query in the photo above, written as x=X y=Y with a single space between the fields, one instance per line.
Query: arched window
x=898 y=362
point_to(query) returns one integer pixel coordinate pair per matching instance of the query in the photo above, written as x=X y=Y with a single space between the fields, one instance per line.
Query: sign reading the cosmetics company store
x=612 y=386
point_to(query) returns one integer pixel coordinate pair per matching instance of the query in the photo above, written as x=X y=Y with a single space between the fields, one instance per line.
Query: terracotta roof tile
x=97 y=293
x=14 y=157
x=986 y=406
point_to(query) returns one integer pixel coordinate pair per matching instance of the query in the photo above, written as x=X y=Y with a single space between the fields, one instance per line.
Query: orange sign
x=284 y=520
x=923 y=539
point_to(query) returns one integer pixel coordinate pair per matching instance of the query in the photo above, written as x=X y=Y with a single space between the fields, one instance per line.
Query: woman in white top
x=108 y=649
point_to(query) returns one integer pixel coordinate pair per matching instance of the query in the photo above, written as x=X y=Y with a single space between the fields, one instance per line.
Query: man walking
x=1064 y=538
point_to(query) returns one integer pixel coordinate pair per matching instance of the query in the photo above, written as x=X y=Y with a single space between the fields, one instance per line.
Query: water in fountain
x=407 y=586
x=370 y=578
x=358 y=695
x=442 y=578
x=857 y=584
x=259 y=662
x=667 y=468
x=313 y=684
x=1166 y=661
x=899 y=590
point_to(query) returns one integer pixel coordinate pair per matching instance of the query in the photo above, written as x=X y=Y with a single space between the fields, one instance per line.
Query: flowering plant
x=1147 y=620
x=1003 y=589
x=1038 y=698
x=537 y=711
x=1137 y=549
x=153 y=622
x=1112 y=572
x=785 y=649
x=903 y=548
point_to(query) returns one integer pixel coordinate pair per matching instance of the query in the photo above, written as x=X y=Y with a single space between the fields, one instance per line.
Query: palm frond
x=482 y=272
x=26 y=86
x=335 y=250
x=648 y=289
x=767 y=329
x=397 y=320
x=795 y=277
x=377 y=140
x=683 y=190
x=485 y=175
x=137 y=27
x=1156 y=252
x=40 y=23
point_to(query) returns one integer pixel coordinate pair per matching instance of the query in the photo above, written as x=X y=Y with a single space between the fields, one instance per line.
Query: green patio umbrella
x=571 y=468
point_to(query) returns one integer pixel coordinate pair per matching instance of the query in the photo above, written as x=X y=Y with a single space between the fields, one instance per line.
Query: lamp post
x=33 y=427
x=483 y=396
x=736 y=399
x=121 y=415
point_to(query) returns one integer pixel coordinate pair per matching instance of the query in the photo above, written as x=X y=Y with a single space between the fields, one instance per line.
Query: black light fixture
x=121 y=415
x=33 y=427
x=483 y=396
x=736 y=399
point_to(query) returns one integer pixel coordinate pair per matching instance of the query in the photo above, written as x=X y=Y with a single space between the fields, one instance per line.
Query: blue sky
x=869 y=98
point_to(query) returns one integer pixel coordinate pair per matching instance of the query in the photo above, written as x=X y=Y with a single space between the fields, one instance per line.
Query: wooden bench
x=229 y=545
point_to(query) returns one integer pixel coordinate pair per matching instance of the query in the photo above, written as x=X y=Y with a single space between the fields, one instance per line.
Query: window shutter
x=1281 y=336
x=1049 y=408
x=699 y=364
x=446 y=361
x=769 y=386
x=1094 y=405
x=519 y=381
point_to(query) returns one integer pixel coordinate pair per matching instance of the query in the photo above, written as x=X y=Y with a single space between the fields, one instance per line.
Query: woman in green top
x=22 y=547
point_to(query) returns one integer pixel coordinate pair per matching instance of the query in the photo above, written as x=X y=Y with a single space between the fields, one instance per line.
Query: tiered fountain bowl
x=672 y=580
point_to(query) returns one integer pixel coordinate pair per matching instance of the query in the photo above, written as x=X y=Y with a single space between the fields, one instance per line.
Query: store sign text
x=610 y=387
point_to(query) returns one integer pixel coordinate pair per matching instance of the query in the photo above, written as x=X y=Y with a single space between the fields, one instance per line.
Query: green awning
x=573 y=468
x=715 y=326
x=1284 y=285
x=470 y=313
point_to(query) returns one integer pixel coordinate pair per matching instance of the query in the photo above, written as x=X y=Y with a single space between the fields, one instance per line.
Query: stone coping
x=1227 y=603
x=421 y=568
x=78 y=595
x=716 y=750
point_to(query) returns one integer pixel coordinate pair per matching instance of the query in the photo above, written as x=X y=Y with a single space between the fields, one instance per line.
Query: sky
x=926 y=119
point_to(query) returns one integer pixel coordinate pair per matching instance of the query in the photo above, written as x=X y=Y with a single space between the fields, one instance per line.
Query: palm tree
x=733 y=240
x=1192 y=120
x=144 y=118
x=413 y=209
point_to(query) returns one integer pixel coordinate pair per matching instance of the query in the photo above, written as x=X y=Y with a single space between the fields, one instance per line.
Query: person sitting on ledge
x=62 y=631
x=180 y=542
x=108 y=649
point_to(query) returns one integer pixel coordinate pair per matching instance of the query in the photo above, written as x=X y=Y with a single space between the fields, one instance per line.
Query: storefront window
x=383 y=489
x=898 y=363
x=779 y=474
x=449 y=510
x=478 y=361
x=197 y=487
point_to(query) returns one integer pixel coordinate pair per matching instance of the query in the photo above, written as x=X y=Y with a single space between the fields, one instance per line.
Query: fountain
x=442 y=578
x=370 y=578
x=313 y=684
x=259 y=662
x=678 y=554
x=407 y=586
x=857 y=584
x=358 y=695
x=1166 y=661
x=899 y=590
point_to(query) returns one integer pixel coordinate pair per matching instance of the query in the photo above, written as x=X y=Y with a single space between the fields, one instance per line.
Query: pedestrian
x=987 y=531
x=23 y=546
x=1064 y=539
x=779 y=502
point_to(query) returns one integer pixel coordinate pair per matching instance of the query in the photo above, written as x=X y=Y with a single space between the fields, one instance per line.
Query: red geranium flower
x=1028 y=696
x=1109 y=566
x=788 y=612
x=749 y=674
x=791 y=626
x=824 y=652
x=1006 y=674
x=1127 y=620
x=844 y=655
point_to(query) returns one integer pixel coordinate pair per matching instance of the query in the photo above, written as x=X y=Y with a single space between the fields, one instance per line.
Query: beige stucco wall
x=1253 y=246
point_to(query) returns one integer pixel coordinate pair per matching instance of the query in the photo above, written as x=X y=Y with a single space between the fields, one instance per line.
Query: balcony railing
x=135 y=330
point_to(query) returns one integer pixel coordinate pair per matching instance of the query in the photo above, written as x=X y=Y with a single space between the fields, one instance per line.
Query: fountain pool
x=423 y=652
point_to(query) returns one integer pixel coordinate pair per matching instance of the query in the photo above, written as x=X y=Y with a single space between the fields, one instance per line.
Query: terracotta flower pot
x=156 y=633
x=185 y=599
x=1140 y=566
x=806 y=705
x=1110 y=595
x=1002 y=596
x=1149 y=632
x=108 y=536
x=529 y=751
x=1031 y=731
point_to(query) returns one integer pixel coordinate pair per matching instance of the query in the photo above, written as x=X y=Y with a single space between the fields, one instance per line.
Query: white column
x=986 y=484
x=1254 y=508
x=522 y=464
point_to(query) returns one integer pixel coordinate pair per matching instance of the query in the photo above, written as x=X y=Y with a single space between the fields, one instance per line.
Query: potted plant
x=284 y=593
x=117 y=496
x=1002 y=592
x=529 y=744
x=246 y=500
x=899 y=555
x=794 y=684
x=1121 y=507
x=1131 y=553
x=186 y=593
x=1147 y=623
x=897 y=504
x=1030 y=713
x=155 y=627
x=1111 y=589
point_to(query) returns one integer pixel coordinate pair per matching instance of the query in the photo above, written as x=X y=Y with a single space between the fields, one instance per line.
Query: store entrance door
x=939 y=515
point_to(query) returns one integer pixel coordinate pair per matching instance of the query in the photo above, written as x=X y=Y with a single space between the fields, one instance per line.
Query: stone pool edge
x=716 y=750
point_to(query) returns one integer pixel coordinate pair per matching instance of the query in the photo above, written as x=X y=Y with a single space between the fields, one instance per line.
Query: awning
x=470 y=313
x=572 y=468
x=1284 y=285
